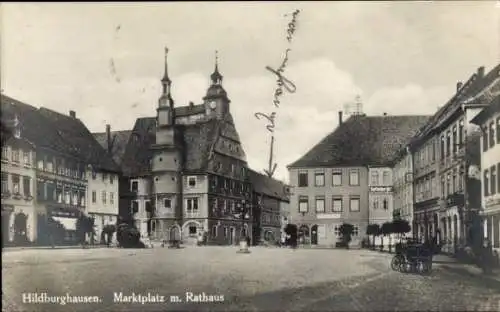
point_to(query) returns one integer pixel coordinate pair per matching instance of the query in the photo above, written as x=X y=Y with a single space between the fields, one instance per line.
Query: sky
x=105 y=60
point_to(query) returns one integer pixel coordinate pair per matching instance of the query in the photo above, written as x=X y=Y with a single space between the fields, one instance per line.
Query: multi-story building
x=187 y=170
x=64 y=150
x=269 y=200
x=402 y=185
x=380 y=196
x=18 y=176
x=444 y=191
x=489 y=120
x=331 y=181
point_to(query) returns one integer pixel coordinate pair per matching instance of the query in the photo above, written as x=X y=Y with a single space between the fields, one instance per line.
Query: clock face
x=212 y=104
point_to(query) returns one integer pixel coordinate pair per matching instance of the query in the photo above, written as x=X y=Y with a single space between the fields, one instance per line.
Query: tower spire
x=216 y=76
x=165 y=78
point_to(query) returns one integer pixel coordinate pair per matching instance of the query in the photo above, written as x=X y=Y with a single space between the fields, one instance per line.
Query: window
x=48 y=165
x=448 y=184
x=191 y=181
x=167 y=203
x=454 y=139
x=94 y=175
x=104 y=177
x=94 y=197
x=448 y=143
x=192 y=230
x=498 y=178
x=319 y=178
x=320 y=204
x=375 y=203
x=461 y=132
x=134 y=186
x=27 y=186
x=492 y=134
x=385 y=204
x=374 y=180
x=226 y=231
x=303 y=204
x=486 y=183
x=337 y=204
x=485 y=139
x=493 y=180
x=385 y=178
x=5 y=153
x=5 y=183
x=337 y=178
x=460 y=179
x=433 y=156
x=111 y=198
x=103 y=197
x=111 y=178
x=59 y=194
x=233 y=168
x=454 y=182
x=355 y=230
x=214 y=231
x=443 y=187
x=354 y=204
x=303 y=179
x=135 y=206
x=498 y=130
x=442 y=147
x=15 y=184
x=26 y=158
x=67 y=197
x=192 y=205
x=82 y=198
x=75 y=198
x=336 y=229
x=354 y=177
x=15 y=155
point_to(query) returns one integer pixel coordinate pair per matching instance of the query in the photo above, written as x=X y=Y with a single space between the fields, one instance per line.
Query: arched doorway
x=303 y=234
x=20 y=228
x=190 y=232
x=174 y=233
x=314 y=234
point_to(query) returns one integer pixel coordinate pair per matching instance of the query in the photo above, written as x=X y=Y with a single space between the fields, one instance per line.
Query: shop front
x=61 y=224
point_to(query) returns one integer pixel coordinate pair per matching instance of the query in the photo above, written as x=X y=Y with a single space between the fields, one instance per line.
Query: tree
x=387 y=229
x=346 y=230
x=374 y=230
x=400 y=227
x=84 y=226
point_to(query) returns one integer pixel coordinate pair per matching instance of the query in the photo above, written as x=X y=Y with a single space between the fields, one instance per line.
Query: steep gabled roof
x=265 y=185
x=487 y=112
x=80 y=140
x=137 y=155
x=34 y=127
x=362 y=141
x=119 y=141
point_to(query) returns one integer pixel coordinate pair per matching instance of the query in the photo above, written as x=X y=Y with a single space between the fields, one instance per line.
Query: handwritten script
x=282 y=83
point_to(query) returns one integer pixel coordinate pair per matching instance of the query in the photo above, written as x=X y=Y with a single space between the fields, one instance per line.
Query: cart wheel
x=395 y=263
x=403 y=266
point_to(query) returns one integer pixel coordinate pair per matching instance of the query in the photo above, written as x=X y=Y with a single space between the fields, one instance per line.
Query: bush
x=128 y=236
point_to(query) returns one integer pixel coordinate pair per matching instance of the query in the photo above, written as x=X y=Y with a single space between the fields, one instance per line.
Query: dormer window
x=17 y=133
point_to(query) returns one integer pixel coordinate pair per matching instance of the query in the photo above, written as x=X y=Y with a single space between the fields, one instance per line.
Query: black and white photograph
x=250 y=156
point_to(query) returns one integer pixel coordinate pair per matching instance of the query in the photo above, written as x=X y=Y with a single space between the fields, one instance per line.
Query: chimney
x=340 y=118
x=459 y=86
x=191 y=104
x=108 y=137
x=72 y=114
x=480 y=72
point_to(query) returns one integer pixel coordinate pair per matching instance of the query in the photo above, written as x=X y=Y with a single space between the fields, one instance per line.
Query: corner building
x=331 y=181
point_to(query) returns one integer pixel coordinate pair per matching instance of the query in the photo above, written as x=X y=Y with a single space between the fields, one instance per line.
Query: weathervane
x=281 y=82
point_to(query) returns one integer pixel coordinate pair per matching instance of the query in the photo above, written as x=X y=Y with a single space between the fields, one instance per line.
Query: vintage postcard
x=250 y=156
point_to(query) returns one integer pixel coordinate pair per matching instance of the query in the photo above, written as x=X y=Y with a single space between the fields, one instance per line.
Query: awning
x=68 y=223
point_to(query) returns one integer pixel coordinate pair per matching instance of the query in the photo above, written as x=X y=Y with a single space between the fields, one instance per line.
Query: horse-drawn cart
x=412 y=257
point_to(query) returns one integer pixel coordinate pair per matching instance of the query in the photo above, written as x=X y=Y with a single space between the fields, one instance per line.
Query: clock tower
x=216 y=100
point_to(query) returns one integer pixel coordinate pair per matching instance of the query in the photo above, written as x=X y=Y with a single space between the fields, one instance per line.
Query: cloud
x=303 y=117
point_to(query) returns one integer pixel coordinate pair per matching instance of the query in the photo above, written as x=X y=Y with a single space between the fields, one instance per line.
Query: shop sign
x=381 y=189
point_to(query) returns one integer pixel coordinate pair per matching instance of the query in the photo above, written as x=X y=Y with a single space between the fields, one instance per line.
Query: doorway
x=232 y=236
x=314 y=235
x=20 y=228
